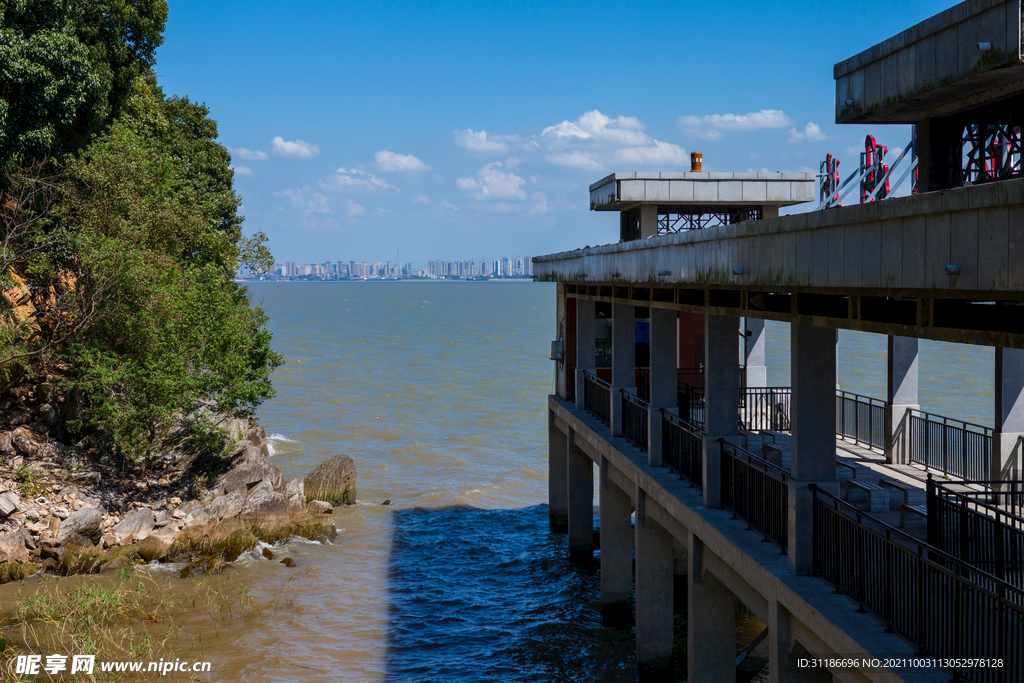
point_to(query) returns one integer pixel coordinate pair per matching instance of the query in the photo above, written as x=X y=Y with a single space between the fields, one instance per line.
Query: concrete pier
x=754 y=341
x=1006 y=449
x=654 y=582
x=721 y=398
x=623 y=359
x=664 y=390
x=581 y=502
x=711 y=629
x=558 y=478
x=585 y=353
x=901 y=396
x=616 y=553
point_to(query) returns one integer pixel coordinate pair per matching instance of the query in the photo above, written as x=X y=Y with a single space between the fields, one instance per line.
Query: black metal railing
x=682 y=448
x=955 y=447
x=1007 y=495
x=691 y=403
x=756 y=491
x=634 y=419
x=597 y=397
x=946 y=607
x=860 y=418
x=982 y=534
x=764 y=408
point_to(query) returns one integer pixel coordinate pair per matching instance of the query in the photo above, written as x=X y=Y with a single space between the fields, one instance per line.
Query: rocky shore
x=203 y=496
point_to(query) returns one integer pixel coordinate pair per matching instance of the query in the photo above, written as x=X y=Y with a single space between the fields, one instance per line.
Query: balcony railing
x=634 y=420
x=955 y=447
x=597 y=397
x=945 y=606
x=757 y=492
x=763 y=408
x=682 y=448
x=691 y=403
x=860 y=418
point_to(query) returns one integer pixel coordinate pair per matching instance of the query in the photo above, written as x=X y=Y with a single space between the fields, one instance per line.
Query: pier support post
x=581 y=502
x=756 y=371
x=1006 y=443
x=623 y=359
x=648 y=221
x=558 y=477
x=901 y=397
x=782 y=665
x=721 y=398
x=616 y=553
x=710 y=626
x=681 y=572
x=664 y=382
x=654 y=579
x=586 y=358
x=814 y=435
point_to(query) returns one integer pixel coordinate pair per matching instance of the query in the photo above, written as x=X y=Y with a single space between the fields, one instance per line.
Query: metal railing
x=986 y=536
x=691 y=403
x=764 y=408
x=945 y=606
x=861 y=418
x=1007 y=495
x=955 y=447
x=634 y=420
x=682 y=448
x=757 y=492
x=597 y=397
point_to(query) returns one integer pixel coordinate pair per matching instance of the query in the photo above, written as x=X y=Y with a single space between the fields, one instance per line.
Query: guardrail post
x=901 y=396
x=623 y=360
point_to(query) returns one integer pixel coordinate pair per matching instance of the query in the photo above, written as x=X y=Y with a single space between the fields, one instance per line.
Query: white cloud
x=478 y=141
x=753 y=155
x=293 y=148
x=352 y=177
x=249 y=154
x=420 y=199
x=390 y=162
x=595 y=141
x=812 y=133
x=448 y=205
x=309 y=203
x=575 y=159
x=492 y=183
x=241 y=170
x=710 y=127
x=658 y=154
x=623 y=130
x=354 y=209
x=384 y=211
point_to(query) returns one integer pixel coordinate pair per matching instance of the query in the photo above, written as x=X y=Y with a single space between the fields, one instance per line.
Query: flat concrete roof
x=621 y=191
x=935 y=68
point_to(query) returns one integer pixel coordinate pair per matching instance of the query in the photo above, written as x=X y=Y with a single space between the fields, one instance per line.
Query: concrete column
x=710 y=626
x=558 y=477
x=901 y=396
x=654 y=579
x=616 y=553
x=664 y=394
x=561 y=332
x=585 y=354
x=648 y=221
x=1006 y=450
x=782 y=665
x=721 y=398
x=581 y=502
x=757 y=372
x=623 y=359
x=813 y=443
x=681 y=575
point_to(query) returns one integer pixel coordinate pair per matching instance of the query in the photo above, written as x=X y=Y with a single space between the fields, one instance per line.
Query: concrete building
x=812 y=507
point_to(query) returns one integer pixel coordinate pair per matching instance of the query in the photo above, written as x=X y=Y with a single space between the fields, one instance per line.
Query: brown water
x=438 y=391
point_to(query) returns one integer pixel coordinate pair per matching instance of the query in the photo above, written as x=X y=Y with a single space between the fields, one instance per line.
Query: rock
x=78 y=557
x=87 y=522
x=163 y=517
x=295 y=496
x=226 y=507
x=54 y=524
x=6 y=442
x=197 y=516
x=333 y=481
x=268 y=554
x=156 y=546
x=387 y=502
x=264 y=501
x=249 y=466
x=13 y=547
x=32 y=515
x=211 y=565
x=50 y=413
x=19 y=417
x=9 y=503
x=60 y=512
x=288 y=562
x=40 y=428
x=89 y=478
x=175 y=501
x=135 y=526
x=26 y=441
x=320 y=507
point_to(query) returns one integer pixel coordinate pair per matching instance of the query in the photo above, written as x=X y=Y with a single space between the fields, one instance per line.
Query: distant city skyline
x=503 y=267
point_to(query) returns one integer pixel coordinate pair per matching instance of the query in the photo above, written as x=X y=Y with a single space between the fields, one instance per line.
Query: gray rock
x=295 y=496
x=9 y=503
x=26 y=441
x=135 y=526
x=264 y=501
x=6 y=442
x=197 y=517
x=19 y=417
x=319 y=506
x=87 y=522
x=50 y=414
x=226 y=506
x=13 y=548
x=333 y=481
x=249 y=466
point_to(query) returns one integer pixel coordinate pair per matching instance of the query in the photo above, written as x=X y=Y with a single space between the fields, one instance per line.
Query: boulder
x=13 y=547
x=333 y=481
x=320 y=507
x=6 y=442
x=195 y=517
x=248 y=467
x=9 y=503
x=26 y=441
x=87 y=522
x=227 y=506
x=264 y=501
x=135 y=526
x=294 y=495
x=50 y=414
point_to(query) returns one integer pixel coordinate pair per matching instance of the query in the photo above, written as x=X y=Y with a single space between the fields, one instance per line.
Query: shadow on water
x=490 y=595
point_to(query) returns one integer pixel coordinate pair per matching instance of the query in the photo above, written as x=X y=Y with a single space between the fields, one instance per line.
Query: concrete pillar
x=901 y=396
x=813 y=443
x=654 y=579
x=757 y=372
x=623 y=359
x=782 y=665
x=558 y=477
x=681 y=575
x=561 y=381
x=616 y=553
x=710 y=625
x=721 y=398
x=1006 y=449
x=581 y=502
x=648 y=221
x=664 y=393
x=585 y=354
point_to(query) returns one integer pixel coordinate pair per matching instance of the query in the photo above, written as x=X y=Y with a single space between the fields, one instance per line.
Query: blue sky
x=471 y=130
